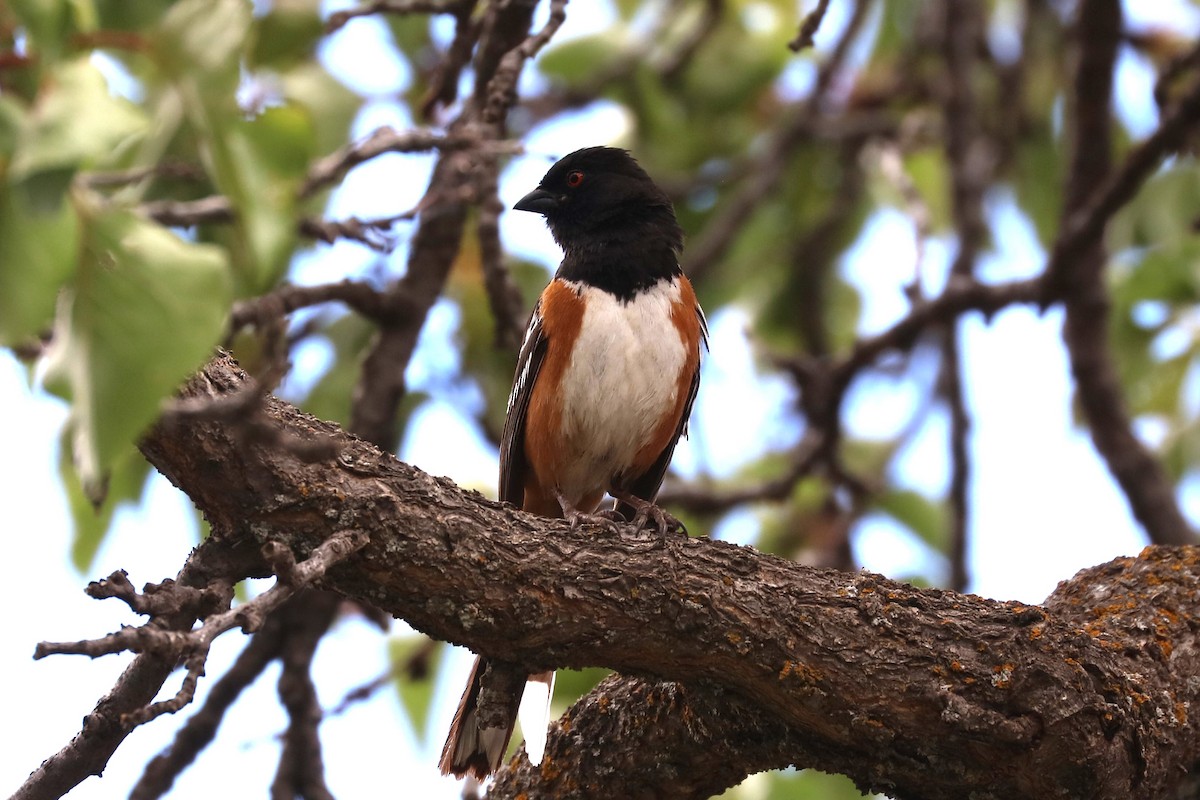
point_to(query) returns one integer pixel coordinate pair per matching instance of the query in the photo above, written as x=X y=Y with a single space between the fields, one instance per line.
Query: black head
x=600 y=197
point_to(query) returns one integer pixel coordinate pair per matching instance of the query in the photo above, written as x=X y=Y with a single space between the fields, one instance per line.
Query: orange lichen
x=1002 y=675
x=800 y=671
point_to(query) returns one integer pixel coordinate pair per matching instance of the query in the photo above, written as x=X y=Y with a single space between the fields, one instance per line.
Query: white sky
x=1044 y=506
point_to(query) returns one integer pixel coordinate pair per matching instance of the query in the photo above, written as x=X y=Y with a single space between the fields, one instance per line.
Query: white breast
x=622 y=379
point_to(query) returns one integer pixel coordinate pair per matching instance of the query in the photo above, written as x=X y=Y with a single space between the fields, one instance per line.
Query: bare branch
x=808 y=27
x=333 y=167
x=105 y=728
x=1084 y=224
x=374 y=233
x=301 y=771
x=166 y=169
x=186 y=213
x=1077 y=268
x=358 y=295
x=338 y=19
x=153 y=639
x=504 y=298
x=770 y=167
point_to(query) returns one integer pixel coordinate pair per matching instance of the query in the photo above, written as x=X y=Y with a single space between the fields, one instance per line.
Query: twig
x=358 y=295
x=186 y=213
x=212 y=564
x=808 y=27
x=503 y=296
x=1079 y=273
x=951 y=389
x=198 y=731
x=1177 y=66
x=333 y=167
x=301 y=770
x=972 y=168
x=374 y=233
x=1085 y=223
x=194 y=645
x=890 y=160
x=338 y=19
x=704 y=500
x=243 y=410
x=217 y=208
x=443 y=84
x=436 y=243
x=673 y=63
x=166 y=169
x=770 y=167
x=501 y=91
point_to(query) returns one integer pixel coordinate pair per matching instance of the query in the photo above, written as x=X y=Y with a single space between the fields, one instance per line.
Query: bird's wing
x=513 y=464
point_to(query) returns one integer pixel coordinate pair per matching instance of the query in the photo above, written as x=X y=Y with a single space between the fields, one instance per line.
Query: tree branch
x=1081 y=275
x=873 y=678
x=109 y=723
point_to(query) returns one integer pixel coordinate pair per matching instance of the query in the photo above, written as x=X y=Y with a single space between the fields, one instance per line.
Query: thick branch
x=1087 y=698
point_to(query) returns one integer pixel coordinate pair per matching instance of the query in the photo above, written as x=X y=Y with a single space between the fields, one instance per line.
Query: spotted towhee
x=604 y=385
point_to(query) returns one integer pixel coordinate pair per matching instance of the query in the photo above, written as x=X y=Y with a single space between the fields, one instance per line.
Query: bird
x=604 y=386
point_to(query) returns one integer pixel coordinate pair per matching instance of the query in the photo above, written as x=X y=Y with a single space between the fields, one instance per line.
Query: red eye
x=574 y=178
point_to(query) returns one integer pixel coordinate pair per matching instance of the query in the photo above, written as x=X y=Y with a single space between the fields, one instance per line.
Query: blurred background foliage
x=121 y=122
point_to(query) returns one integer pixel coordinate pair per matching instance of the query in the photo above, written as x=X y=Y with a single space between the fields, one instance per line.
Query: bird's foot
x=646 y=512
x=575 y=517
x=601 y=518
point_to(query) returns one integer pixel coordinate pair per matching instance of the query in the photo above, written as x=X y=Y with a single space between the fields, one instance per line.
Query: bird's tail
x=486 y=717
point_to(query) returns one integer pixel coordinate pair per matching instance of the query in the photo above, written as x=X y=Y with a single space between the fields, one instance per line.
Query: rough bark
x=919 y=693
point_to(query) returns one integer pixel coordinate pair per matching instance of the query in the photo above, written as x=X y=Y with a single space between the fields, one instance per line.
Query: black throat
x=623 y=260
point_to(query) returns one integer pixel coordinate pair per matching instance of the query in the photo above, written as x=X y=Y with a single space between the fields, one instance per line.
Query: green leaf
x=37 y=256
x=923 y=516
x=572 y=684
x=144 y=312
x=1162 y=214
x=255 y=163
x=1038 y=182
x=330 y=105
x=330 y=397
x=287 y=34
x=791 y=784
x=12 y=119
x=578 y=61
x=92 y=512
x=74 y=123
x=47 y=24
x=203 y=41
x=121 y=15
x=414 y=664
x=931 y=178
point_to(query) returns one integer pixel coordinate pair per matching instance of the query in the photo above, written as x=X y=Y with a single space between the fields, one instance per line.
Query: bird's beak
x=539 y=201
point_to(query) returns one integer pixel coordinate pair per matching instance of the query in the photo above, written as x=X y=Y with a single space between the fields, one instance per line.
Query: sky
x=1031 y=528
